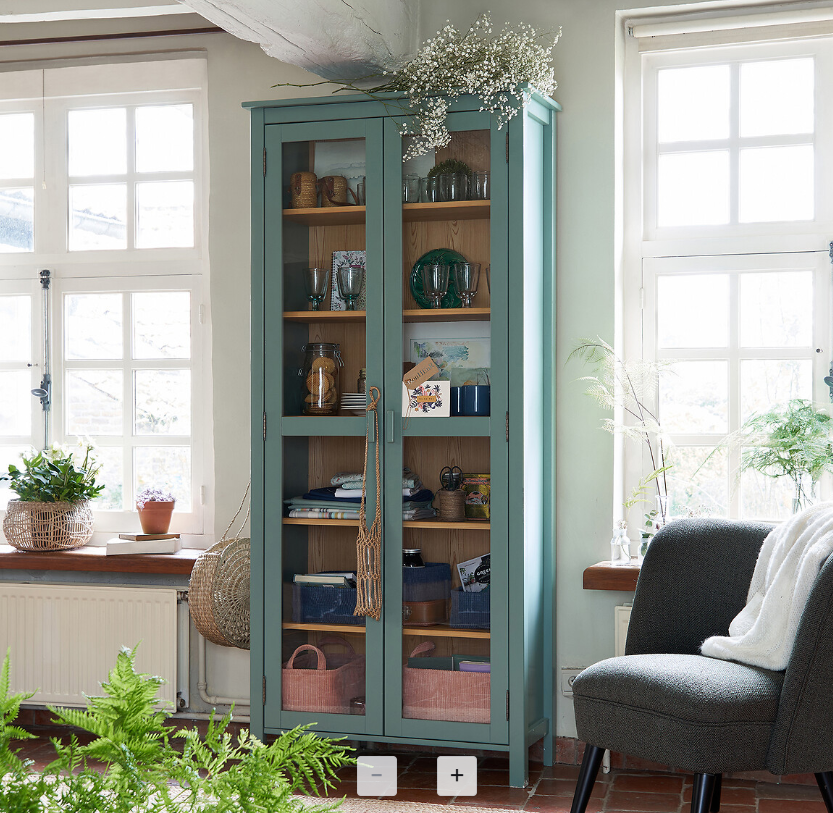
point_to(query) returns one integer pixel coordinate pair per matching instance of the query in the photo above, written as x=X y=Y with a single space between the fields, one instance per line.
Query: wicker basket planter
x=155 y=517
x=44 y=526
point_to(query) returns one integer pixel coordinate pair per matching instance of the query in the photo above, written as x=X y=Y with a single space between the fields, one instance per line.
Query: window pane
x=165 y=213
x=694 y=397
x=776 y=309
x=15 y=328
x=693 y=103
x=97 y=142
x=776 y=97
x=9 y=454
x=166 y=467
x=693 y=189
x=698 y=483
x=163 y=402
x=770 y=381
x=93 y=326
x=165 y=138
x=693 y=311
x=17 y=145
x=17 y=220
x=94 y=402
x=765 y=497
x=15 y=402
x=162 y=325
x=97 y=217
x=776 y=183
x=111 y=475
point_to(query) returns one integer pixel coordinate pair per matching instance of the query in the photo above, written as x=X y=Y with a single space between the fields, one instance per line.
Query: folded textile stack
x=341 y=499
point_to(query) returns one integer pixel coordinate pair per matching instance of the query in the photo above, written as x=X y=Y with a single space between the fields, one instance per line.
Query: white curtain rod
x=752 y=20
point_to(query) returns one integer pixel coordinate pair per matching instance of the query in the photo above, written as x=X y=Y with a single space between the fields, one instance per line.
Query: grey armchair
x=664 y=702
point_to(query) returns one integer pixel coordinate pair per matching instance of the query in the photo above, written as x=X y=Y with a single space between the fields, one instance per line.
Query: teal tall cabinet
x=508 y=335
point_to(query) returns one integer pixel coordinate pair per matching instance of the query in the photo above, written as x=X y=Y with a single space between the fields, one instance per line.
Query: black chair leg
x=587 y=777
x=825 y=781
x=718 y=782
x=701 y=797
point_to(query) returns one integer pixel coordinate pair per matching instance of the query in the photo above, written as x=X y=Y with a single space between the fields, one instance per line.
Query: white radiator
x=622 y=619
x=64 y=639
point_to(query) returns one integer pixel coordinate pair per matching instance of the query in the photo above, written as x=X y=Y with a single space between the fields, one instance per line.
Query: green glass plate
x=441 y=256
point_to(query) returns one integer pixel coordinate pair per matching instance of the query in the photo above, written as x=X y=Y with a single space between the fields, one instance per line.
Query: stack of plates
x=354 y=402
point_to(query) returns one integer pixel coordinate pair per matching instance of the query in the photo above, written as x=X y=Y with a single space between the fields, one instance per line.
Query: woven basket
x=314 y=687
x=43 y=526
x=333 y=190
x=304 y=188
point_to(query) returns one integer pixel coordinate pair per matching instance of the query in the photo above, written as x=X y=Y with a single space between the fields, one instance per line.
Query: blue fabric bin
x=470 y=610
x=317 y=604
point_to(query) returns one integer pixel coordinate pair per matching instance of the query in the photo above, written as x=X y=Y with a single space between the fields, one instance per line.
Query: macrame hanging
x=369 y=541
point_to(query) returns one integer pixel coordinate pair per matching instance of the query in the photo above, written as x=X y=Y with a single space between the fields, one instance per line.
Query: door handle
x=389 y=425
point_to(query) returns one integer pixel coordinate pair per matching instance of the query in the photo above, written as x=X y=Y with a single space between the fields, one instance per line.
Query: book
x=142 y=537
x=341 y=579
x=475 y=574
x=124 y=547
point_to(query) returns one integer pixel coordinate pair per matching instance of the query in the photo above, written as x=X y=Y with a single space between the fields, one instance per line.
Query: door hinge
x=507 y=426
x=507 y=147
x=264 y=162
x=507 y=703
x=264 y=426
x=264 y=690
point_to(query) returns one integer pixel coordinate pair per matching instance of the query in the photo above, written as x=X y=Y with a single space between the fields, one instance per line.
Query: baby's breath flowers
x=500 y=69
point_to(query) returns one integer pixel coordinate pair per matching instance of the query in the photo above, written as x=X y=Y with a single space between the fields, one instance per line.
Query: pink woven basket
x=438 y=694
x=309 y=685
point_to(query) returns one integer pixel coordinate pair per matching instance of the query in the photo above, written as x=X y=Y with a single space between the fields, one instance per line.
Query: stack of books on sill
x=133 y=544
x=327 y=579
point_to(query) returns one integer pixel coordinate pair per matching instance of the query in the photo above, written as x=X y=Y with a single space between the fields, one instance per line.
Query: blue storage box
x=318 y=604
x=470 y=610
x=429 y=583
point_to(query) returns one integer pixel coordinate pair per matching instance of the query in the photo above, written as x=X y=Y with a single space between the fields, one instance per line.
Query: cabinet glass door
x=446 y=451
x=323 y=294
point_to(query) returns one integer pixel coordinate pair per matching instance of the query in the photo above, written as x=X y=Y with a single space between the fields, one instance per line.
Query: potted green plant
x=155 y=506
x=54 y=489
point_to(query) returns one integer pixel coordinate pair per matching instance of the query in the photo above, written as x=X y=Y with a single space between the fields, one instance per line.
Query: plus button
x=457 y=775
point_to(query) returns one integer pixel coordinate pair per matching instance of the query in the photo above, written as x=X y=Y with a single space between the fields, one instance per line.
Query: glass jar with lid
x=319 y=377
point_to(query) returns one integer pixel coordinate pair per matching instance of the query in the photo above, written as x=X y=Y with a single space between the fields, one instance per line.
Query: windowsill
x=606 y=576
x=94 y=559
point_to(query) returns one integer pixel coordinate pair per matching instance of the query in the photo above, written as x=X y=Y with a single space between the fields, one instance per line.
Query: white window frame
x=649 y=250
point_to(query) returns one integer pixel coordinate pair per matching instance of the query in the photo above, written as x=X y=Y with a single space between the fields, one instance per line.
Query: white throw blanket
x=763 y=632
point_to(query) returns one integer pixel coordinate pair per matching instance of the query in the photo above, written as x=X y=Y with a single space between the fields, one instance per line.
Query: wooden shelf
x=338 y=523
x=94 y=559
x=605 y=576
x=411 y=213
x=336 y=317
x=358 y=629
x=435 y=524
x=447 y=315
x=436 y=631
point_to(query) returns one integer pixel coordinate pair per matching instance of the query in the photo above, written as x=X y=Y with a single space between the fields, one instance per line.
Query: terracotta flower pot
x=155 y=517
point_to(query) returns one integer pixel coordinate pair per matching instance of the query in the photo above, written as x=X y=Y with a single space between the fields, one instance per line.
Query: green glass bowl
x=444 y=256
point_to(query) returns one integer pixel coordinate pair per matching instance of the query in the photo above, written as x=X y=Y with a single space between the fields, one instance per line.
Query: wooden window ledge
x=605 y=576
x=94 y=559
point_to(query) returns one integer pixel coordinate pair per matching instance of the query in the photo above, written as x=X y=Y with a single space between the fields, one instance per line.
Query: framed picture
x=347 y=258
x=461 y=361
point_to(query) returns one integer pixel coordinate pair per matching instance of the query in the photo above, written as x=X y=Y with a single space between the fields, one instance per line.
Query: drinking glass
x=466 y=277
x=410 y=188
x=458 y=186
x=361 y=193
x=435 y=282
x=489 y=279
x=480 y=186
x=350 y=279
x=434 y=190
x=316 y=283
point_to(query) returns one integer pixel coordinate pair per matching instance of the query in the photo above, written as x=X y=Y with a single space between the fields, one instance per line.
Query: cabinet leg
x=519 y=767
x=549 y=748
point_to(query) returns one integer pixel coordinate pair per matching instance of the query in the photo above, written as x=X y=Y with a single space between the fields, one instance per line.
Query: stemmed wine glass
x=466 y=277
x=435 y=282
x=350 y=279
x=316 y=283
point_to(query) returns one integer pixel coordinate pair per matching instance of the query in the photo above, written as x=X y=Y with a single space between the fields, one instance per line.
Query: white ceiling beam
x=26 y=11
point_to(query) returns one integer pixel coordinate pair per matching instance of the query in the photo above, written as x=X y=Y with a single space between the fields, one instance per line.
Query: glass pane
x=15 y=328
x=776 y=183
x=16 y=402
x=98 y=217
x=167 y=467
x=694 y=397
x=165 y=214
x=162 y=325
x=771 y=381
x=776 y=97
x=17 y=145
x=693 y=311
x=163 y=402
x=776 y=309
x=165 y=138
x=693 y=189
x=693 y=103
x=9 y=454
x=97 y=142
x=111 y=460
x=93 y=326
x=698 y=483
x=765 y=497
x=94 y=402
x=17 y=220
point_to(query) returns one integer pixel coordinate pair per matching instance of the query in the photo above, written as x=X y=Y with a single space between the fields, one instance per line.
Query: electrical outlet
x=568 y=675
